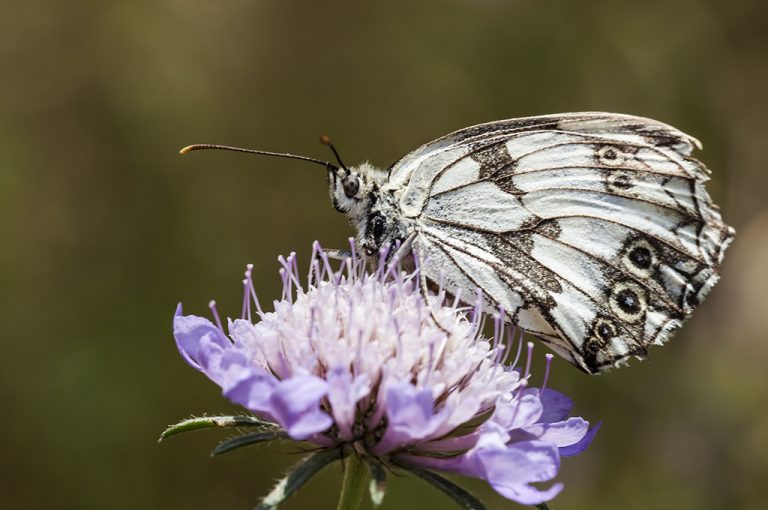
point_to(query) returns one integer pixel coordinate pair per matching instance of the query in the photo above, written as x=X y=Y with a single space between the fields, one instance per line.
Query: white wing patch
x=667 y=191
x=594 y=231
x=462 y=173
x=497 y=212
x=532 y=143
x=662 y=223
x=415 y=196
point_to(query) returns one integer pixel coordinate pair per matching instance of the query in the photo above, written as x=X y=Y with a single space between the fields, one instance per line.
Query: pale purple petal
x=253 y=392
x=506 y=470
x=511 y=471
x=556 y=406
x=564 y=433
x=195 y=337
x=510 y=468
x=528 y=494
x=307 y=424
x=457 y=410
x=517 y=412
x=575 y=449
x=343 y=394
x=295 y=404
x=524 y=462
x=410 y=415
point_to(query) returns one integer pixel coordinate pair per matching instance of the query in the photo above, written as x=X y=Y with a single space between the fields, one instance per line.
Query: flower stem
x=355 y=483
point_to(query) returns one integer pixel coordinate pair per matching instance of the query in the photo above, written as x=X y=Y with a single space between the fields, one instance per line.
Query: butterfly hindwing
x=593 y=231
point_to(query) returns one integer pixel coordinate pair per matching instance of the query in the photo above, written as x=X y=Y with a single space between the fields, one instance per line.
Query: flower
x=366 y=363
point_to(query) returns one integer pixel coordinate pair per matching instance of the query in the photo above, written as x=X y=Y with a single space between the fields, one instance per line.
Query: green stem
x=355 y=483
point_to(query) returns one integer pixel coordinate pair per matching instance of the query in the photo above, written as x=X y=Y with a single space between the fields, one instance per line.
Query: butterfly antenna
x=206 y=146
x=325 y=140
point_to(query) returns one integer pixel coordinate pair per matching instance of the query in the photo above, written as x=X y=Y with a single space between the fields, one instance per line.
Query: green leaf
x=300 y=475
x=378 y=483
x=206 y=422
x=542 y=506
x=459 y=495
x=247 y=440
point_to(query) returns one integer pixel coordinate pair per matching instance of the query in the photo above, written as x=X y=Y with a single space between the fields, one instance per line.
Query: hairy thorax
x=371 y=209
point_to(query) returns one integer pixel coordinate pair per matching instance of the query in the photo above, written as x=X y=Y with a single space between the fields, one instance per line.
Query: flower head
x=367 y=363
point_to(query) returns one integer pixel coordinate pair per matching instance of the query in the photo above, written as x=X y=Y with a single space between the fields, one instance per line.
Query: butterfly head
x=356 y=192
x=352 y=189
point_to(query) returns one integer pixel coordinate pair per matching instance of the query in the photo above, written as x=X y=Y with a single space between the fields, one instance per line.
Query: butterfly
x=591 y=231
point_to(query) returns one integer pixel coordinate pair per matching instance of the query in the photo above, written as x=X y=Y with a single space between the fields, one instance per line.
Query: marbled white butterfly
x=592 y=231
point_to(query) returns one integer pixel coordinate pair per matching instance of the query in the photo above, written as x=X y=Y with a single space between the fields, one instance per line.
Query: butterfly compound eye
x=351 y=185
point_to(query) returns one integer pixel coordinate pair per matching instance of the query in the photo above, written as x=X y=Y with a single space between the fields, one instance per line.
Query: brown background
x=104 y=228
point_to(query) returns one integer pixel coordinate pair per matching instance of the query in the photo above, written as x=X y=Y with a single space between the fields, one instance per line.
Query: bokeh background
x=104 y=227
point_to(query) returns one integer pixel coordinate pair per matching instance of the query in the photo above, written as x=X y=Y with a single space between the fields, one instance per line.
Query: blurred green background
x=104 y=227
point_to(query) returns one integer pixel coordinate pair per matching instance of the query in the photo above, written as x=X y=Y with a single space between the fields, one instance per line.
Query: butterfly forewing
x=593 y=231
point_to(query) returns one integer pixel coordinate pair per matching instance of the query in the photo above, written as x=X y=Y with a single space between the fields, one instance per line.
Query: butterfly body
x=592 y=231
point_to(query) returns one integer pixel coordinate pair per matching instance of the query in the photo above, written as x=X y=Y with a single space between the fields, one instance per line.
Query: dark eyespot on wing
x=641 y=257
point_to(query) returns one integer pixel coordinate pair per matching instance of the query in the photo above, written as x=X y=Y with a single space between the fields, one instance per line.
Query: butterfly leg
x=402 y=249
x=424 y=288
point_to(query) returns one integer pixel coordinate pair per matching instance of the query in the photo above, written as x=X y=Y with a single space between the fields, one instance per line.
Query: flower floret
x=368 y=362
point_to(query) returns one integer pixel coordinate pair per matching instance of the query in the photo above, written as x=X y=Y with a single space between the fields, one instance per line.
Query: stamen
x=291 y=273
x=212 y=306
x=284 y=279
x=382 y=263
x=252 y=290
x=519 y=347
x=295 y=272
x=354 y=254
x=326 y=269
x=476 y=315
x=246 y=314
x=456 y=299
x=528 y=360
x=338 y=276
x=508 y=335
x=483 y=321
x=548 y=357
x=520 y=389
x=349 y=263
x=498 y=334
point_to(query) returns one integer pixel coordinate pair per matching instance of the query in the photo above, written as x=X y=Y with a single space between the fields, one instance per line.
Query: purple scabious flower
x=365 y=363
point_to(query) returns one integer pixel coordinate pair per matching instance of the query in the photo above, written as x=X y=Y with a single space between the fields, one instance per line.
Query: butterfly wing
x=592 y=230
